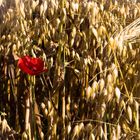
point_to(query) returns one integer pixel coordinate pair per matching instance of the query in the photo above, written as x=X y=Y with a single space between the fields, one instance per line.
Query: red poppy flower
x=31 y=66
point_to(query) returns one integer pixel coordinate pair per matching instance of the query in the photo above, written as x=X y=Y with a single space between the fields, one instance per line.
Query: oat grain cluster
x=91 y=50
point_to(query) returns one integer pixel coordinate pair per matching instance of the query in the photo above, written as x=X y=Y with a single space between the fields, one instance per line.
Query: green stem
x=32 y=100
x=30 y=116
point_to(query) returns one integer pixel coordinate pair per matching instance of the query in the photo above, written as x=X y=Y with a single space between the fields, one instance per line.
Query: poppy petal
x=24 y=68
x=32 y=66
x=37 y=63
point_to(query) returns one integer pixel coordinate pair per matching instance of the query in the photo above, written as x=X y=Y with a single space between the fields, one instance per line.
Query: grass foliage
x=91 y=50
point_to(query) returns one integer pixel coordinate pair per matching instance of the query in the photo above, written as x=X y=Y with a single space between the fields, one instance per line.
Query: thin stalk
x=63 y=103
x=27 y=116
x=30 y=116
x=63 y=114
x=121 y=74
x=32 y=102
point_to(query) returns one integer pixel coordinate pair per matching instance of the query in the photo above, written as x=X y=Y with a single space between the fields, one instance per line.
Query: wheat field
x=91 y=49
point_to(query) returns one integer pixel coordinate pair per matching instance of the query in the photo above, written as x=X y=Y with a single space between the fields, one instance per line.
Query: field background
x=92 y=52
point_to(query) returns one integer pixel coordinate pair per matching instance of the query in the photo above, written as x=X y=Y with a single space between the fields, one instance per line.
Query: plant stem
x=63 y=115
x=27 y=117
x=30 y=117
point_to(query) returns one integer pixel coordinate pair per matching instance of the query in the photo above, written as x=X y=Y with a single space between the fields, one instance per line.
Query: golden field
x=92 y=52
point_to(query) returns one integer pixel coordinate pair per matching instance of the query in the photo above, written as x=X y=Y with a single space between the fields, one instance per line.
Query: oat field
x=69 y=70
